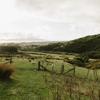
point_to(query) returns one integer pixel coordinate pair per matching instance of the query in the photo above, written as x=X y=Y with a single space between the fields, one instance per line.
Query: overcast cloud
x=49 y=19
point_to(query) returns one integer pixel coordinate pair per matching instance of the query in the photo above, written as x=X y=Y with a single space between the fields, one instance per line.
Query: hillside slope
x=88 y=44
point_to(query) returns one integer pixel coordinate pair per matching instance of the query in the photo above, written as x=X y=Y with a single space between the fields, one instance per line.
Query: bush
x=80 y=60
x=94 y=54
x=6 y=71
x=9 y=49
x=66 y=59
x=49 y=57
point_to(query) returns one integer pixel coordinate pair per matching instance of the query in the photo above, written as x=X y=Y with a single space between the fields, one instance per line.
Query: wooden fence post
x=10 y=60
x=39 y=65
x=62 y=69
x=74 y=70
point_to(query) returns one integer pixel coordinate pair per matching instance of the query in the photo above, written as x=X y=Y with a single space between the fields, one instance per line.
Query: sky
x=53 y=20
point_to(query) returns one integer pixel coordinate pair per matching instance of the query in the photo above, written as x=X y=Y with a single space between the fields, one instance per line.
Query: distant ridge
x=88 y=44
x=19 y=40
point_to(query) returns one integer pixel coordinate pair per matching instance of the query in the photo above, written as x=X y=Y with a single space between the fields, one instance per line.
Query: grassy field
x=29 y=84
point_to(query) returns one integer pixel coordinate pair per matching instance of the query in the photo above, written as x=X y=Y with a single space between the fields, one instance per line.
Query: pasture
x=29 y=83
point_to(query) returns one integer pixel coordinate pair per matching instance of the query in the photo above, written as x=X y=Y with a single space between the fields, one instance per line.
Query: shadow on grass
x=8 y=81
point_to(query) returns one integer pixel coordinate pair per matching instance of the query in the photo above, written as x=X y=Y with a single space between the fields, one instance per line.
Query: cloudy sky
x=49 y=19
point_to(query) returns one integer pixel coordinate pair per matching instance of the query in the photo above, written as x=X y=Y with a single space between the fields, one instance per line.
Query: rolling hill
x=88 y=44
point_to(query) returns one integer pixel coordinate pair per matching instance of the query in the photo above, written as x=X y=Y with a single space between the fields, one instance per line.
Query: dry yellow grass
x=6 y=70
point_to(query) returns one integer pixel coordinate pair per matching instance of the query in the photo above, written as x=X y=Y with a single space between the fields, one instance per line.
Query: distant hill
x=88 y=44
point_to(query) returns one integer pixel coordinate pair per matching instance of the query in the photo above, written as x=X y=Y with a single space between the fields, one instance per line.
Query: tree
x=9 y=49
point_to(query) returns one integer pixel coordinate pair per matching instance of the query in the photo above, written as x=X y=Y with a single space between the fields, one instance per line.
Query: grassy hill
x=88 y=44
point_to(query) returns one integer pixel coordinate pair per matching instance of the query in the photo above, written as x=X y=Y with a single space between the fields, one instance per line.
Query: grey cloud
x=52 y=17
x=64 y=9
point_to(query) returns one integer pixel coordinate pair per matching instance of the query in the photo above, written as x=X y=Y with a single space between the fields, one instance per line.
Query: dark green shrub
x=8 y=49
x=80 y=60
x=94 y=54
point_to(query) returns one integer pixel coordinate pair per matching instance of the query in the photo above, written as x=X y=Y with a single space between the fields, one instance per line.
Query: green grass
x=29 y=84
